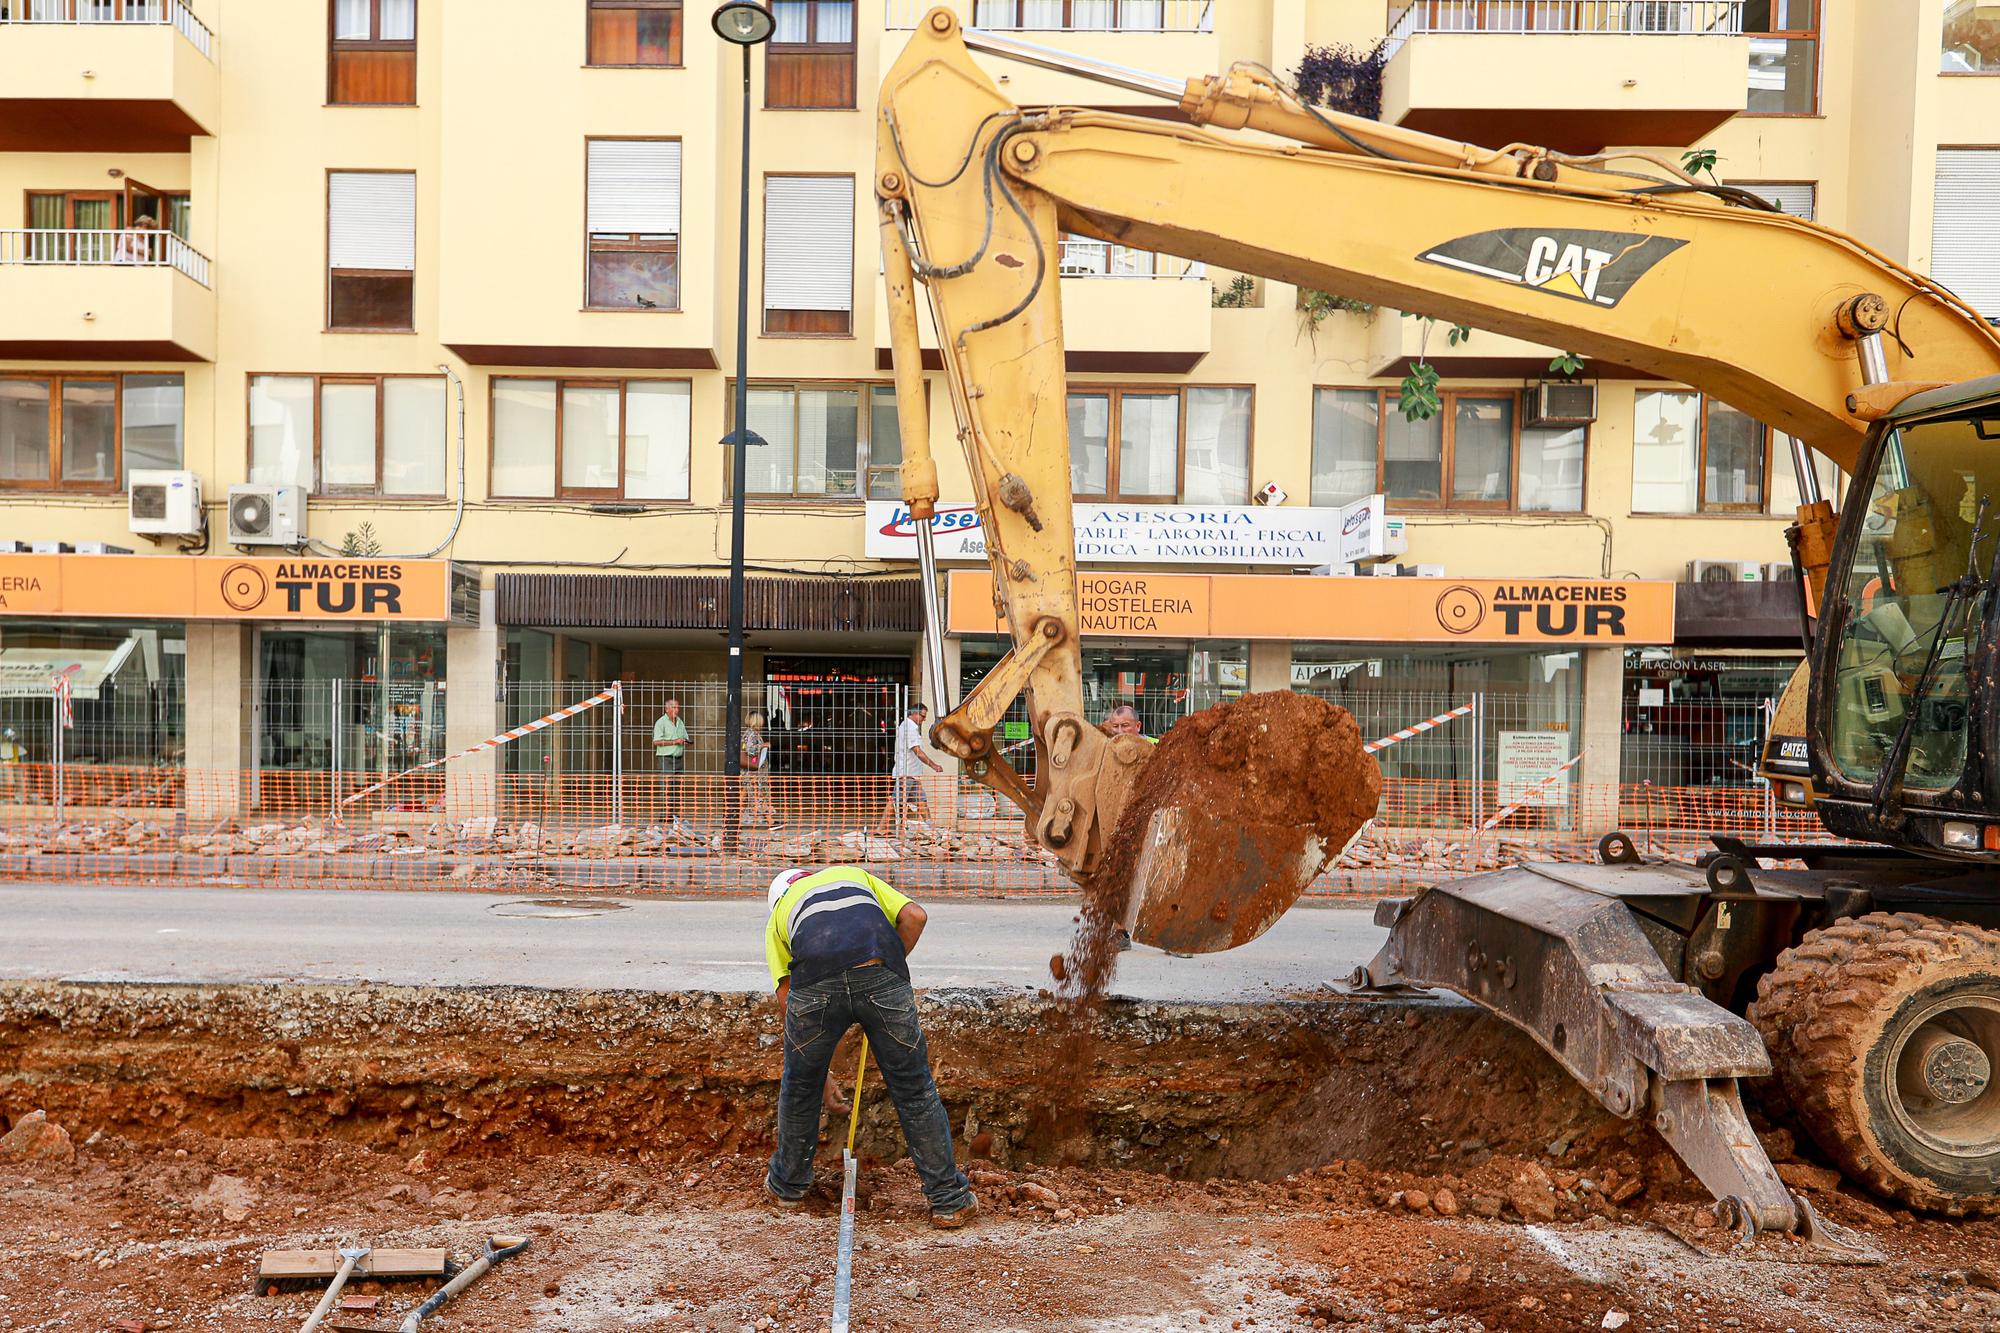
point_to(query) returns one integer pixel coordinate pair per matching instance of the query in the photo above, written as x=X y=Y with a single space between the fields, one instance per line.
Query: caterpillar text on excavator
x=1862 y=969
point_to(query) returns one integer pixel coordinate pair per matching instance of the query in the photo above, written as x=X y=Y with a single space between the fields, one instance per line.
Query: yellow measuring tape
x=854 y=1111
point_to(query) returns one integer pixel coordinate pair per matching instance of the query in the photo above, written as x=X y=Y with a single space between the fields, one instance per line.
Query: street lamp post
x=746 y=24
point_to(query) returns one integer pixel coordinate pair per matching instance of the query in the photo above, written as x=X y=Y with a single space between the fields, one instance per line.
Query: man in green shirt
x=670 y=739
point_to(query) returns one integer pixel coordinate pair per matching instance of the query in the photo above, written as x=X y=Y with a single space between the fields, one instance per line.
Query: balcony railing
x=112 y=11
x=1102 y=259
x=1723 y=18
x=111 y=249
x=1066 y=15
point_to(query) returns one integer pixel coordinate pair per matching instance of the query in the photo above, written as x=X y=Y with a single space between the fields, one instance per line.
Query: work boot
x=779 y=1199
x=1124 y=941
x=957 y=1217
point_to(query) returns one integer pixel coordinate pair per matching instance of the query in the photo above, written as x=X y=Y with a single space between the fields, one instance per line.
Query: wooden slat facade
x=701 y=602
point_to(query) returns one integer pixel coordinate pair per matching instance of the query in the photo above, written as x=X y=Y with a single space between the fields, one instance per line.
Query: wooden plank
x=284 y=1264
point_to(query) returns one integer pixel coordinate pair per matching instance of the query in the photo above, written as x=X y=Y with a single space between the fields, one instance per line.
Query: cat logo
x=1577 y=264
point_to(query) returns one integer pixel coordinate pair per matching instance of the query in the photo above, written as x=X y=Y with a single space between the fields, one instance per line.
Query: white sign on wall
x=1368 y=533
x=1294 y=537
x=1526 y=758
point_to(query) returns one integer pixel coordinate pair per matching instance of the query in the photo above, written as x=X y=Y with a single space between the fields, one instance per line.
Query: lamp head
x=744 y=23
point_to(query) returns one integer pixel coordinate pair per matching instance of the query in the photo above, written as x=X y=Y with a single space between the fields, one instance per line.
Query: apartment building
x=454 y=284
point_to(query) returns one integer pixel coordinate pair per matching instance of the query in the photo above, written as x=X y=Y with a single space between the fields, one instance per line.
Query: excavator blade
x=1237 y=810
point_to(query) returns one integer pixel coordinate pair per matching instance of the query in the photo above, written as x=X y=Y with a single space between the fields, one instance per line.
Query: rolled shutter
x=1965 y=226
x=372 y=220
x=635 y=187
x=1796 y=199
x=809 y=243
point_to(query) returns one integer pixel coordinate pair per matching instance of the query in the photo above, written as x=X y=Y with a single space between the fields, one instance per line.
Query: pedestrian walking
x=670 y=741
x=906 y=773
x=755 y=760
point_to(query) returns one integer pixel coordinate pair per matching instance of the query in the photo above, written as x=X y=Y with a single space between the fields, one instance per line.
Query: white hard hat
x=784 y=881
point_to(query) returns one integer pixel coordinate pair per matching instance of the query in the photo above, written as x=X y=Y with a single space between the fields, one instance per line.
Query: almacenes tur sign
x=1582 y=613
x=170 y=587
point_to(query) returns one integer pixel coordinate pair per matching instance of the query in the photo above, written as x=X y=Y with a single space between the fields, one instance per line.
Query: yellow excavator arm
x=1639 y=266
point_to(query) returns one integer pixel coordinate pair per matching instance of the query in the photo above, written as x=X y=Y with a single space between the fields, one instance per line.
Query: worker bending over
x=838 y=942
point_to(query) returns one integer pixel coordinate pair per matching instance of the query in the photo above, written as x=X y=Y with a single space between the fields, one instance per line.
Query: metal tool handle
x=473 y=1272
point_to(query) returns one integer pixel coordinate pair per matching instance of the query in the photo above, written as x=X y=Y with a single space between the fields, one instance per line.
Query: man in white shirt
x=908 y=771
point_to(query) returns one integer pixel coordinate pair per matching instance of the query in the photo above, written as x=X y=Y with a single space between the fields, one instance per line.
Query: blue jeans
x=816 y=1017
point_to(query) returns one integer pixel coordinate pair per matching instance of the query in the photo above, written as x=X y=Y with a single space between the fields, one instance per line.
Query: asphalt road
x=109 y=933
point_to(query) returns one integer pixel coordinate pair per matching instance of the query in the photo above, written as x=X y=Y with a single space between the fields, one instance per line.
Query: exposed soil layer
x=1417 y=1166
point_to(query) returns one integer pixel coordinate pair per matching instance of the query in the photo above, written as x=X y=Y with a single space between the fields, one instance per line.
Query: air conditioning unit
x=1725 y=571
x=1780 y=571
x=1559 y=403
x=164 y=504
x=266 y=515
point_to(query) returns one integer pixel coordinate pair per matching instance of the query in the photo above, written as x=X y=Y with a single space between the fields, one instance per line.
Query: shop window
x=809 y=255
x=632 y=224
x=815 y=438
x=349 y=434
x=371 y=231
x=86 y=432
x=372 y=55
x=810 y=61
x=1696 y=455
x=1971 y=38
x=1473 y=454
x=1784 y=57
x=591 y=439
x=629 y=33
x=1173 y=445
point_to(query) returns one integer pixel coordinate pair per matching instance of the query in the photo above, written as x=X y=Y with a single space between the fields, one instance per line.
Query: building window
x=1474 y=454
x=371 y=231
x=349 y=434
x=1798 y=198
x=1174 y=445
x=1963 y=255
x=819 y=443
x=809 y=254
x=633 y=223
x=1086 y=15
x=372 y=57
x=1971 y=38
x=1693 y=454
x=87 y=432
x=810 y=65
x=1784 y=57
x=626 y=33
x=591 y=439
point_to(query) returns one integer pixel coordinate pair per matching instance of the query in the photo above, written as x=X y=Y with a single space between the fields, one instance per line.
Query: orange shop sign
x=1582 y=612
x=169 y=587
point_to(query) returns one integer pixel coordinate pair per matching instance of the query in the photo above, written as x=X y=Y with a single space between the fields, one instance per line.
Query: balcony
x=88 y=76
x=1575 y=75
x=1124 y=311
x=1172 y=35
x=104 y=296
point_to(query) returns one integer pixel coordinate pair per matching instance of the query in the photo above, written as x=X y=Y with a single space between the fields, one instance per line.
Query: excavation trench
x=1183 y=1089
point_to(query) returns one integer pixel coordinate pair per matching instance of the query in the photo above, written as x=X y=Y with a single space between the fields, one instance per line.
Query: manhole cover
x=558 y=908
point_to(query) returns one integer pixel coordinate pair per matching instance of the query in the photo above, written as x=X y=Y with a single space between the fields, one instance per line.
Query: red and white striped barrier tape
x=1529 y=792
x=1416 y=730
x=494 y=742
x=64 y=688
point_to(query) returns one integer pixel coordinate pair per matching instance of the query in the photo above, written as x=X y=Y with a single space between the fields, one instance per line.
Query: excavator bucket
x=1238 y=810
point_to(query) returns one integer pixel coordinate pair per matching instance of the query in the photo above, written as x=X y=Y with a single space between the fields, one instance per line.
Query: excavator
x=1857 y=975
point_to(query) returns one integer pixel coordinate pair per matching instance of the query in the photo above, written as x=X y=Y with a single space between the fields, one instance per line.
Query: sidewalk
x=101 y=933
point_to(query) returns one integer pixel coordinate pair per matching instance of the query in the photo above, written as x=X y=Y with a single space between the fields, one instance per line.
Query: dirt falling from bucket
x=1278 y=758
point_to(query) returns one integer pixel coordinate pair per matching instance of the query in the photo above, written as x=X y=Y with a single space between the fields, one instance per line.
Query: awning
x=25 y=673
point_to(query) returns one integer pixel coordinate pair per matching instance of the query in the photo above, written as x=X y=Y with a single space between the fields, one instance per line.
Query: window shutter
x=1798 y=200
x=809 y=243
x=1965 y=240
x=635 y=187
x=372 y=220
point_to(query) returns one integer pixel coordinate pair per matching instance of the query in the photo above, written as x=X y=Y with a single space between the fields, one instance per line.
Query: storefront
x=283 y=669
x=1697 y=717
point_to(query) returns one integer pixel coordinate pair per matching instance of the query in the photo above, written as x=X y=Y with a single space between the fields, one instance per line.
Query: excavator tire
x=1885 y=1034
